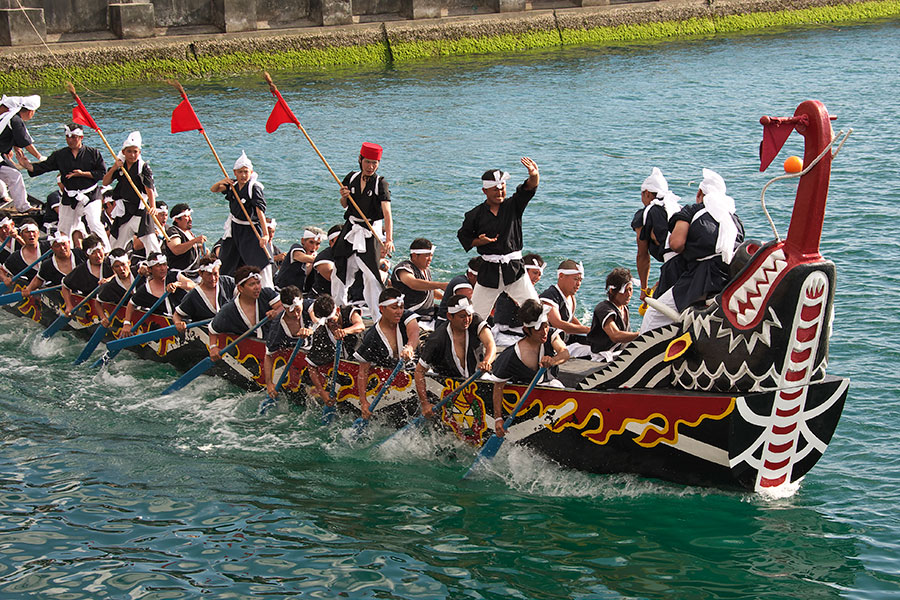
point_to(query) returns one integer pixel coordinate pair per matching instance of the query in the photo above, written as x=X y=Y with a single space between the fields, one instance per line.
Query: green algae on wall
x=409 y=42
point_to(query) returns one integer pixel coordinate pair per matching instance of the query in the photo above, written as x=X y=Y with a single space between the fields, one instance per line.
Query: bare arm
x=490 y=349
x=679 y=236
x=643 y=263
x=616 y=334
x=420 y=285
x=567 y=326
x=498 y=408
x=362 y=378
x=421 y=391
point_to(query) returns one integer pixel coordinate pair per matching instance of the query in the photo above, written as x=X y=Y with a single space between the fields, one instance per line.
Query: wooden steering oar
x=277 y=94
x=122 y=169
x=234 y=191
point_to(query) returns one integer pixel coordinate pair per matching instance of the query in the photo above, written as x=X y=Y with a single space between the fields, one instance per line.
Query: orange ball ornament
x=793 y=164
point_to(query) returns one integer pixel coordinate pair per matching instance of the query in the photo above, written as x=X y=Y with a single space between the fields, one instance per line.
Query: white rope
x=806 y=170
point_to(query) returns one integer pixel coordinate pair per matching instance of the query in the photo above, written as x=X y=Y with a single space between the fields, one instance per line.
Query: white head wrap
x=462 y=305
x=712 y=182
x=185 y=213
x=297 y=302
x=334 y=235
x=536 y=267
x=398 y=300
x=6 y=221
x=499 y=178
x=94 y=248
x=423 y=250
x=310 y=234
x=119 y=259
x=545 y=310
x=249 y=277
x=14 y=104
x=578 y=270
x=133 y=140
x=272 y=223
x=621 y=289
x=655 y=183
x=78 y=131
x=461 y=286
x=29 y=227
x=210 y=267
x=58 y=237
x=159 y=260
x=242 y=162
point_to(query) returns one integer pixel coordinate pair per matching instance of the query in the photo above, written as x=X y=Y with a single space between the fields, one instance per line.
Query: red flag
x=281 y=114
x=184 y=118
x=81 y=115
x=775 y=134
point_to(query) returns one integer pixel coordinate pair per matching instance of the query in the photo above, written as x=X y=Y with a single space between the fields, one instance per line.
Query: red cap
x=370 y=151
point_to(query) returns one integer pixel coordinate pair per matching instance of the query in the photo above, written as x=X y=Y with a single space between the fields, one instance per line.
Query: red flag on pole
x=775 y=134
x=81 y=116
x=184 y=118
x=281 y=114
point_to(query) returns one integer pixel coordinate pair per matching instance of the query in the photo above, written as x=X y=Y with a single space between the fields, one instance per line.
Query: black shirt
x=438 y=353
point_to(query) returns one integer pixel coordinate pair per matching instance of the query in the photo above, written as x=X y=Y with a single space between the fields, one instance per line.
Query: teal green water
x=110 y=491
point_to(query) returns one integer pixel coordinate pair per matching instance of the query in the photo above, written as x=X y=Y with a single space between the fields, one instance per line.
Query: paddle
x=293 y=119
x=17 y=296
x=101 y=330
x=63 y=319
x=3 y=287
x=152 y=335
x=421 y=418
x=360 y=424
x=5 y=242
x=109 y=355
x=328 y=411
x=207 y=363
x=269 y=400
x=492 y=446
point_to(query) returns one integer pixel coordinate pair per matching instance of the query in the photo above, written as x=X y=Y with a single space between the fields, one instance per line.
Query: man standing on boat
x=356 y=248
x=651 y=224
x=81 y=168
x=14 y=137
x=705 y=236
x=136 y=219
x=495 y=229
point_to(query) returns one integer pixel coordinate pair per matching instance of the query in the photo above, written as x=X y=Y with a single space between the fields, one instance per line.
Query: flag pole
x=124 y=171
x=234 y=191
x=296 y=121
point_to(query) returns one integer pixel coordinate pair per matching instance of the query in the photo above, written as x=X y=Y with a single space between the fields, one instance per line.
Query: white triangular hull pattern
x=628 y=370
x=748 y=300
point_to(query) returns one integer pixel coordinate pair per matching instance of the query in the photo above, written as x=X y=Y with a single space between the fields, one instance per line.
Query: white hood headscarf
x=242 y=162
x=720 y=206
x=657 y=184
x=14 y=104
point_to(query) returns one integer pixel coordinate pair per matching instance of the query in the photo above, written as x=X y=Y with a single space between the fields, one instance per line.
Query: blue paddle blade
x=91 y=345
x=359 y=426
x=488 y=451
x=55 y=326
x=197 y=370
x=328 y=414
x=267 y=403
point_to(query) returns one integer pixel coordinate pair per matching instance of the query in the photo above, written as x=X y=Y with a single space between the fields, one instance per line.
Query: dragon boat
x=734 y=395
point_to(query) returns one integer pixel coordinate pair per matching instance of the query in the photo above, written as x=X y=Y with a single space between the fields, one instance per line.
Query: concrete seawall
x=193 y=56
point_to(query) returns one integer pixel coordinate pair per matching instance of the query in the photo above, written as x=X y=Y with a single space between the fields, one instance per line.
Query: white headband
x=537 y=267
x=423 y=250
x=328 y=317
x=462 y=305
x=211 y=266
x=473 y=271
x=272 y=223
x=119 y=259
x=58 y=238
x=545 y=310
x=159 y=260
x=242 y=162
x=458 y=286
x=578 y=270
x=334 y=235
x=499 y=178
x=78 y=131
x=621 y=289
x=133 y=140
x=297 y=302
x=6 y=221
x=185 y=213
x=30 y=227
x=94 y=248
x=249 y=277
x=389 y=301
x=309 y=234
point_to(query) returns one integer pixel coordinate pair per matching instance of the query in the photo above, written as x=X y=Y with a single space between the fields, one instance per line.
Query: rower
x=323 y=267
x=343 y=323
x=705 y=236
x=207 y=298
x=285 y=333
x=610 y=326
x=8 y=231
x=113 y=290
x=252 y=303
x=542 y=346
x=297 y=265
x=137 y=220
x=159 y=280
x=240 y=245
x=495 y=229
x=651 y=224
x=413 y=278
x=81 y=168
x=26 y=254
x=354 y=250
x=393 y=337
x=507 y=327
x=459 y=285
x=15 y=111
x=183 y=249
x=88 y=275
x=453 y=350
x=56 y=266
x=560 y=297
